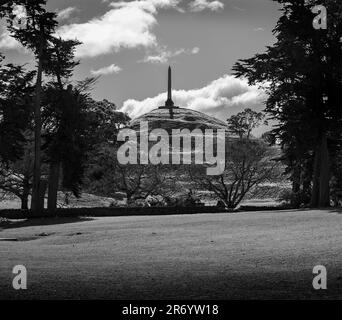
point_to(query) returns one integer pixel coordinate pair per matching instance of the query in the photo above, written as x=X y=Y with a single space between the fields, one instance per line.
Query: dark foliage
x=302 y=74
x=16 y=94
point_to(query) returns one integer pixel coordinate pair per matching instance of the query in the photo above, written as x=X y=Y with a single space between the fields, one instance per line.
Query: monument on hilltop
x=169 y=116
x=169 y=104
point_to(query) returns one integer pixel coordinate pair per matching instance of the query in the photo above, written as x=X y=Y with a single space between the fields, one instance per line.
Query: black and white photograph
x=170 y=155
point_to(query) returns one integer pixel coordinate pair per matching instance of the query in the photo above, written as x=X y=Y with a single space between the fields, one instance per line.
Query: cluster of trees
x=249 y=163
x=54 y=136
x=48 y=123
x=302 y=74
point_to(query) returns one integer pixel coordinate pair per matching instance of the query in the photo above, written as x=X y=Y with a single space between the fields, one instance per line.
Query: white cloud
x=220 y=98
x=106 y=70
x=238 y=8
x=125 y=25
x=164 y=55
x=258 y=29
x=20 y=12
x=66 y=13
x=200 y=5
x=195 y=50
x=7 y=42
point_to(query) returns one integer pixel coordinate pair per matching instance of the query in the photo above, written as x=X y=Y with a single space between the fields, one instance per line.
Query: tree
x=105 y=175
x=16 y=107
x=34 y=34
x=16 y=94
x=243 y=123
x=16 y=177
x=58 y=102
x=336 y=183
x=302 y=75
x=105 y=121
x=248 y=164
x=68 y=136
x=136 y=181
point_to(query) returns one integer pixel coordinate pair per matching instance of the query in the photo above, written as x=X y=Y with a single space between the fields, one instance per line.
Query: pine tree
x=302 y=74
x=34 y=33
x=60 y=68
x=16 y=94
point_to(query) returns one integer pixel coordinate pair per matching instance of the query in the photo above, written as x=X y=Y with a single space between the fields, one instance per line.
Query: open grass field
x=267 y=255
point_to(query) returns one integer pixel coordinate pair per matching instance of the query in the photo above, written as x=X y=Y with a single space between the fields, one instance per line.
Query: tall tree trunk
x=24 y=203
x=36 y=188
x=306 y=188
x=42 y=192
x=320 y=196
x=55 y=164
x=53 y=186
x=26 y=192
x=324 y=189
x=315 y=179
x=296 y=183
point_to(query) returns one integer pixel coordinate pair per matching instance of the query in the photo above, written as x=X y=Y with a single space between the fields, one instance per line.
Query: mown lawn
x=207 y=256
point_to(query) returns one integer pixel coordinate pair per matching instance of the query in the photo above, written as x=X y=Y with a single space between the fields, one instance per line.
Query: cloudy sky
x=131 y=43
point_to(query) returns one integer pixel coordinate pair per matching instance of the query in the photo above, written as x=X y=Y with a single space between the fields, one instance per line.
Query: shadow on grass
x=336 y=210
x=13 y=224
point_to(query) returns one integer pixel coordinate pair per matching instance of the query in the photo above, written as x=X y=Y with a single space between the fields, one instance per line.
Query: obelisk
x=169 y=103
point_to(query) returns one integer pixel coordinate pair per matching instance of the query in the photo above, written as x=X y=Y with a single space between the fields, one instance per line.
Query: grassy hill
x=183 y=118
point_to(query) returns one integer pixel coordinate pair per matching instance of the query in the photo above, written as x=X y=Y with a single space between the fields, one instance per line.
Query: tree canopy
x=302 y=74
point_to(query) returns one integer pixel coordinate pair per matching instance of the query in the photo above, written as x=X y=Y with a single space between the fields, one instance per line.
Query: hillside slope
x=183 y=118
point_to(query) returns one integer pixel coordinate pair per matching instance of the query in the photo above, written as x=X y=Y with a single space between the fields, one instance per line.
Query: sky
x=130 y=45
